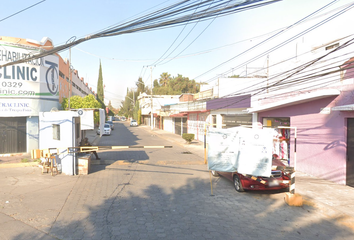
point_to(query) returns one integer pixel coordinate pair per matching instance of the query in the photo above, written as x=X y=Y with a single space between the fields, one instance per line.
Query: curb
x=17 y=165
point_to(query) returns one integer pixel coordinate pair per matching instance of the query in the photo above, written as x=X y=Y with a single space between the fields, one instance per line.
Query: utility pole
x=152 y=115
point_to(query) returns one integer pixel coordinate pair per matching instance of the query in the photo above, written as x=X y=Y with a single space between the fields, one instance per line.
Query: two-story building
x=30 y=88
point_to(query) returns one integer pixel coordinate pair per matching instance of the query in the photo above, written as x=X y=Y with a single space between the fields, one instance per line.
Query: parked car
x=133 y=123
x=111 y=124
x=279 y=179
x=106 y=130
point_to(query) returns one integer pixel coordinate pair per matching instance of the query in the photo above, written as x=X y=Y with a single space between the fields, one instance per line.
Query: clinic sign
x=23 y=85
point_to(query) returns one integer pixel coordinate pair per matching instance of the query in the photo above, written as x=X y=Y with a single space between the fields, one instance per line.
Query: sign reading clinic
x=30 y=87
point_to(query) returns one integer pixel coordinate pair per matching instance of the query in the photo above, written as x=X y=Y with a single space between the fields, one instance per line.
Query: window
x=213 y=121
x=61 y=75
x=56 y=131
x=332 y=46
x=235 y=120
x=276 y=122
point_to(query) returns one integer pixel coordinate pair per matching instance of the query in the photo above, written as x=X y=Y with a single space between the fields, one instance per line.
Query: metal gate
x=12 y=135
x=350 y=152
x=178 y=126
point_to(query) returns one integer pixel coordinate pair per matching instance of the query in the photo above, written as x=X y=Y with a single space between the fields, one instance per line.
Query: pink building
x=324 y=122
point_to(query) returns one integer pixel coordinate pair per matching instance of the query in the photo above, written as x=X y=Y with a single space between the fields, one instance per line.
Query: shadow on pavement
x=149 y=202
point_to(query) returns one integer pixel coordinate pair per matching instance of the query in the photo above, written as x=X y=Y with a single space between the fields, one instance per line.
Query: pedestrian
x=85 y=142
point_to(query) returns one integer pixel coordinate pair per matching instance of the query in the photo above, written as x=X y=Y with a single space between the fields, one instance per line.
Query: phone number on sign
x=7 y=88
x=11 y=84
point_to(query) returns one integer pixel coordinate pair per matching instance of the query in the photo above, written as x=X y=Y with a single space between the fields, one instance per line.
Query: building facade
x=30 y=88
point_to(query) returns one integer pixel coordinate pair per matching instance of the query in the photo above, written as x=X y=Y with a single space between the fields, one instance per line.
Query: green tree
x=164 y=79
x=139 y=117
x=77 y=102
x=100 y=93
x=176 y=85
x=127 y=106
x=140 y=86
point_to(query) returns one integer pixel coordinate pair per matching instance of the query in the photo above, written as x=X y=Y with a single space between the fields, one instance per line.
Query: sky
x=200 y=48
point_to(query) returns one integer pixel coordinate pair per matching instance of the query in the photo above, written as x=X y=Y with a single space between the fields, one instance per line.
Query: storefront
x=281 y=137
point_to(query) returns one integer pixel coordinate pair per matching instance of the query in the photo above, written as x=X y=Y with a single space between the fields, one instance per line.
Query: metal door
x=13 y=135
x=178 y=126
x=350 y=152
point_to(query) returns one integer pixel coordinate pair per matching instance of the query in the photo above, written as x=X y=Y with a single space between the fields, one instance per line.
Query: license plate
x=273 y=183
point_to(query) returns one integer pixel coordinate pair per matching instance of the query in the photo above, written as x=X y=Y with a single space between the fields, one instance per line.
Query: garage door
x=12 y=135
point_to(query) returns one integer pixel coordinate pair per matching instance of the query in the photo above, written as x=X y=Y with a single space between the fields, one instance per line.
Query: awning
x=349 y=107
x=179 y=115
x=296 y=100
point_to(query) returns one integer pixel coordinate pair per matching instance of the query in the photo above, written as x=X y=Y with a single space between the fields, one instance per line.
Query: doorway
x=13 y=135
x=350 y=152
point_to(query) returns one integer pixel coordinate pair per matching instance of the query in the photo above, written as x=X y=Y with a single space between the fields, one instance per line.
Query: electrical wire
x=22 y=10
x=174 y=15
x=162 y=63
x=283 y=43
x=294 y=72
x=157 y=61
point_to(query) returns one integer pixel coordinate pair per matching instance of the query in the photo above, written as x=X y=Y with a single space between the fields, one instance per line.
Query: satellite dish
x=80 y=112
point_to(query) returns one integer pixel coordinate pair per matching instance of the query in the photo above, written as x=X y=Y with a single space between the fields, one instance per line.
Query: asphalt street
x=154 y=194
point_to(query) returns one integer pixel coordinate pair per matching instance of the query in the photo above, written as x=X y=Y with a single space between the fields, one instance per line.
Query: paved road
x=149 y=194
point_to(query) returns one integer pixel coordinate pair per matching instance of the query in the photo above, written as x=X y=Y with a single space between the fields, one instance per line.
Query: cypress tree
x=100 y=94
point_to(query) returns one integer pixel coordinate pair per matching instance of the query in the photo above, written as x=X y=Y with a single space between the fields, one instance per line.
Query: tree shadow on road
x=152 y=202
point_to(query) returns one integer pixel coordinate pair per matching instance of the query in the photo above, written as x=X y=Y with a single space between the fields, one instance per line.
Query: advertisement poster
x=245 y=150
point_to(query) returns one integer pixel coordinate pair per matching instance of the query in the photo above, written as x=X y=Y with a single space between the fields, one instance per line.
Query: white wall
x=168 y=124
x=32 y=133
x=66 y=120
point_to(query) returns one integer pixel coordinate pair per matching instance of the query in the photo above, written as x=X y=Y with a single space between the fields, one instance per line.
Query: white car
x=133 y=123
x=106 y=129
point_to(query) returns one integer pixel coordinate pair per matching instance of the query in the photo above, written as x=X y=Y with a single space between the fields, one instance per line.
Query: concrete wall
x=67 y=121
x=32 y=133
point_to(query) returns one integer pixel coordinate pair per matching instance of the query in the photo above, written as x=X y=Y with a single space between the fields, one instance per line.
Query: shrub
x=24 y=160
x=188 y=137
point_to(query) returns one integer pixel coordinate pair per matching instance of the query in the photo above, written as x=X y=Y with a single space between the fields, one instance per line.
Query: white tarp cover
x=245 y=150
x=222 y=149
x=87 y=119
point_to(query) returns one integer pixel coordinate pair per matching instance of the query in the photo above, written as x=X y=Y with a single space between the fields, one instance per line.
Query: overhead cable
x=173 y=15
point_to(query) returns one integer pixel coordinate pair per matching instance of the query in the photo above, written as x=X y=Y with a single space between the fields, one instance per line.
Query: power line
x=174 y=15
x=22 y=10
x=283 y=43
x=285 y=81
